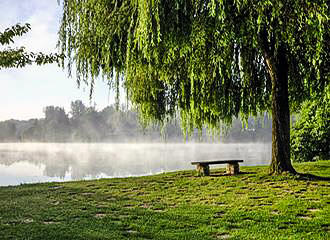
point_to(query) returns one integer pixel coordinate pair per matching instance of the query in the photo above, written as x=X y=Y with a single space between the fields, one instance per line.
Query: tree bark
x=278 y=71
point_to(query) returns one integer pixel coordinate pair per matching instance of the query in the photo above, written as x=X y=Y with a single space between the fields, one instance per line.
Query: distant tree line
x=86 y=124
x=309 y=135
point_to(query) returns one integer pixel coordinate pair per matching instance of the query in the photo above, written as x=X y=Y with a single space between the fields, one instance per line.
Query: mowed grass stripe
x=177 y=205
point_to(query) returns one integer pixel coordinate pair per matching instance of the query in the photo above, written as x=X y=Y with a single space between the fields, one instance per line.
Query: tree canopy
x=204 y=57
x=209 y=60
x=19 y=57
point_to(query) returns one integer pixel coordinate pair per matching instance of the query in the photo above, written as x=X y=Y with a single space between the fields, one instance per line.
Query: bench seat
x=204 y=169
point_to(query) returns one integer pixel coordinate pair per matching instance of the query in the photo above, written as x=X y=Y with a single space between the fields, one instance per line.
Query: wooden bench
x=204 y=169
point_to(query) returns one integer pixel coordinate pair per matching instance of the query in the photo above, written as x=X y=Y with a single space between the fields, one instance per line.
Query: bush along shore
x=177 y=205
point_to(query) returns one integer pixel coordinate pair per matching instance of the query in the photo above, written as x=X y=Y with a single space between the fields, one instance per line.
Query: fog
x=44 y=162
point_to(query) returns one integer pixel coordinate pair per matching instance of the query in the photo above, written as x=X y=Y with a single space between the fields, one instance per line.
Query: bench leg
x=232 y=168
x=203 y=169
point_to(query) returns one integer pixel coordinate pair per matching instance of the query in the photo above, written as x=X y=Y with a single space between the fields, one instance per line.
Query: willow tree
x=209 y=60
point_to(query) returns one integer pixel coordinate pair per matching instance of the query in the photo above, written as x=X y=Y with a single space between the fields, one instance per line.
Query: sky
x=25 y=92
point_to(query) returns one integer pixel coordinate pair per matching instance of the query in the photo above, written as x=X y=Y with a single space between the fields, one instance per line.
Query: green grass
x=176 y=205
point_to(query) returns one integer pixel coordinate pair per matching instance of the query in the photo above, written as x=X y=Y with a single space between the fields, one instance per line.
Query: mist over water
x=44 y=162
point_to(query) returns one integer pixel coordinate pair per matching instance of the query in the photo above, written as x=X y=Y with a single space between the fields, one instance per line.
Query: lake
x=48 y=162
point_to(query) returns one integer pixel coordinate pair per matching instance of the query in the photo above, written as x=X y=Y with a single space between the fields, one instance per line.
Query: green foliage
x=18 y=57
x=310 y=134
x=203 y=58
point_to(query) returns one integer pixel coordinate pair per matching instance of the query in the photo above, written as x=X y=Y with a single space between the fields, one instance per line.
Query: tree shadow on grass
x=308 y=176
x=224 y=174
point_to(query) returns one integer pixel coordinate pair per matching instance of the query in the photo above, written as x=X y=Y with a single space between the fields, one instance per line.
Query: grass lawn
x=176 y=205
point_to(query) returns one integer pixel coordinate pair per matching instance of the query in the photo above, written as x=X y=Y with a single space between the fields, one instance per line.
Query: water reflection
x=41 y=162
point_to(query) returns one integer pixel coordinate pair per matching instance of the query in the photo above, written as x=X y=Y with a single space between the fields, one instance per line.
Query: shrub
x=310 y=134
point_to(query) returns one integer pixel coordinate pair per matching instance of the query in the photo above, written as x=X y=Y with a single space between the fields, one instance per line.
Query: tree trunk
x=278 y=70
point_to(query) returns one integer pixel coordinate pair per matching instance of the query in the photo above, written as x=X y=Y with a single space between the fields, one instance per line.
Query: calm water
x=45 y=162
